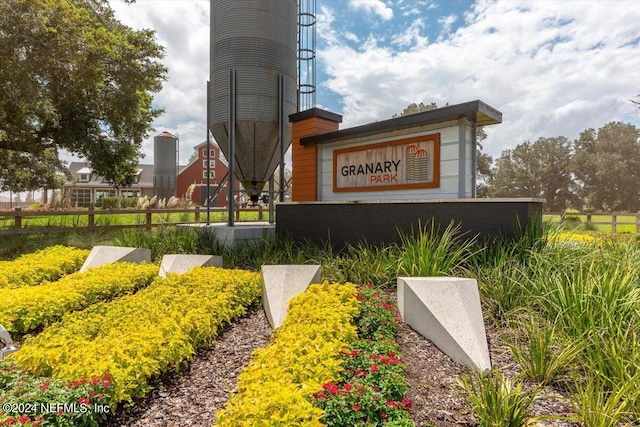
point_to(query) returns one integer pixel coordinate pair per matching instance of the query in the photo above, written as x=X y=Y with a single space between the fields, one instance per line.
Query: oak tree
x=73 y=77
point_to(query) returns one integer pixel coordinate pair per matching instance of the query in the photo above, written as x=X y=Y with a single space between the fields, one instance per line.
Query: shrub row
x=372 y=388
x=275 y=388
x=137 y=337
x=29 y=400
x=47 y=264
x=27 y=308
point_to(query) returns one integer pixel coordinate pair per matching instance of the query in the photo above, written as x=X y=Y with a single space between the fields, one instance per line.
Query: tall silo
x=257 y=40
x=165 y=155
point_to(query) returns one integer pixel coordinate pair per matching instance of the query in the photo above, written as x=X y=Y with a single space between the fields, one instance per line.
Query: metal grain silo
x=257 y=40
x=165 y=159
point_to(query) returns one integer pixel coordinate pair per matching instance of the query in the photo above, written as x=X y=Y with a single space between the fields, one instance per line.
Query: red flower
x=373 y=369
x=406 y=402
x=331 y=388
x=107 y=376
x=348 y=387
x=106 y=383
x=24 y=419
x=44 y=386
x=9 y=421
x=356 y=407
x=84 y=401
x=95 y=381
x=383 y=415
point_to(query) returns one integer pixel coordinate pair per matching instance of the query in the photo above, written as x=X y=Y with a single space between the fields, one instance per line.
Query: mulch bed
x=193 y=396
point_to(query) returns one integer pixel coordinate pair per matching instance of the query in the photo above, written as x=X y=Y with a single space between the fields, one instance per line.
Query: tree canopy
x=73 y=78
x=539 y=169
x=607 y=164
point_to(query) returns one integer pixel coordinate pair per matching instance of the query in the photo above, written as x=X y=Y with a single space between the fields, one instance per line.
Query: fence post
x=588 y=219
x=149 y=219
x=196 y=217
x=614 y=222
x=260 y=213
x=92 y=221
x=17 y=219
x=638 y=222
x=238 y=214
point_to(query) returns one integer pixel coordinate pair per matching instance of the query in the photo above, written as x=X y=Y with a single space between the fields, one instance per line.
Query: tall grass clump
x=542 y=350
x=161 y=240
x=429 y=252
x=498 y=401
x=588 y=290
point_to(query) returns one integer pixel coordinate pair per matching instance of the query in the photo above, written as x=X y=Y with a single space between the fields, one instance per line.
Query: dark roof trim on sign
x=315 y=112
x=476 y=111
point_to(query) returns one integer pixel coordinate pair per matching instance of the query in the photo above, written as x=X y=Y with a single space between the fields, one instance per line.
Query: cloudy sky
x=553 y=68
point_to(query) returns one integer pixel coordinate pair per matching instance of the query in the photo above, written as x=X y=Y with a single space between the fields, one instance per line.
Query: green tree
x=539 y=169
x=607 y=165
x=72 y=77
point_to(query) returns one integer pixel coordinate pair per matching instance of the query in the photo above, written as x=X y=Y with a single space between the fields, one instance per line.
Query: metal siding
x=165 y=166
x=257 y=38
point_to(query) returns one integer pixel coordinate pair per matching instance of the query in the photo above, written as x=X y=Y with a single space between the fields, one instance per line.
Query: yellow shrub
x=30 y=307
x=273 y=390
x=47 y=264
x=140 y=336
x=567 y=237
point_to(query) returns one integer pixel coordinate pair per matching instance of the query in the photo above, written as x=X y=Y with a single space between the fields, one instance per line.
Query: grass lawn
x=628 y=226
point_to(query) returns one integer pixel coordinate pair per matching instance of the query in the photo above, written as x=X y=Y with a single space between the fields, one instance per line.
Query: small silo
x=165 y=155
x=257 y=39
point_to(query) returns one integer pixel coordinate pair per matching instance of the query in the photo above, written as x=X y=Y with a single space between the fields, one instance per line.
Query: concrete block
x=6 y=343
x=101 y=255
x=283 y=282
x=447 y=311
x=241 y=233
x=182 y=263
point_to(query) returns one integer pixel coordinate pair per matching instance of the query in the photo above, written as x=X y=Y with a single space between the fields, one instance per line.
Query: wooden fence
x=614 y=221
x=195 y=215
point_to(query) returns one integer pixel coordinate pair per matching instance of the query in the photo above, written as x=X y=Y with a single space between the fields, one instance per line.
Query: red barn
x=196 y=173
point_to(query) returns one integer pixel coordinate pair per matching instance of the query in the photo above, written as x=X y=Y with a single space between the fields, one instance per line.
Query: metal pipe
x=281 y=132
x=271 y=199
x=208 y=157
x=232 y=143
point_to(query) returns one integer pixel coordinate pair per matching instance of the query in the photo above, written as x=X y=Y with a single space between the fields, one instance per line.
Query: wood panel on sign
x=396 y=165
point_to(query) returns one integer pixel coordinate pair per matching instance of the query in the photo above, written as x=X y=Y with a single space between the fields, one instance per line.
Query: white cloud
x=376 y=7
x=552 y=68
x=445 y=25
x=411 y=36
x=182 y=27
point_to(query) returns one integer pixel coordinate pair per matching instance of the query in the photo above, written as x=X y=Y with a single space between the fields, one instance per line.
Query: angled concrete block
x=280 y=283
x=101 y=255
x=182 y=263
x=6 y=343
x=447 y=311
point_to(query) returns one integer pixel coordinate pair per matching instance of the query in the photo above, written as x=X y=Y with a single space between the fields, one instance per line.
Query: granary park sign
x=396 y=165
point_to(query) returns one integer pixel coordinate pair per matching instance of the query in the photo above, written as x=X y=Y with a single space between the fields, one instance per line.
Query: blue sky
x=553 y=68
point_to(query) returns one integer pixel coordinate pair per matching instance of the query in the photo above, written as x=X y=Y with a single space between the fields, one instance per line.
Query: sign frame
x=435 y=164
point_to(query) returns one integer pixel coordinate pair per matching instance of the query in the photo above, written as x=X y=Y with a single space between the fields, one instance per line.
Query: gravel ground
x=193 y=396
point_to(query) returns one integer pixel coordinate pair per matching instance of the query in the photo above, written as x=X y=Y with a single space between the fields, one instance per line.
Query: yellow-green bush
x=274 y=389
x=30 y=307
x=139 y=336
x=47 y=264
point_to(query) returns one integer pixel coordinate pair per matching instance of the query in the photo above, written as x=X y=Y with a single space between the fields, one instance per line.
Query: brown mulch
x=193 y=396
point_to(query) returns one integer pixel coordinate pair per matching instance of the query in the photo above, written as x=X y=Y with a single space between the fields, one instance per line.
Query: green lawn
x=124 y=219
x=630 y=227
